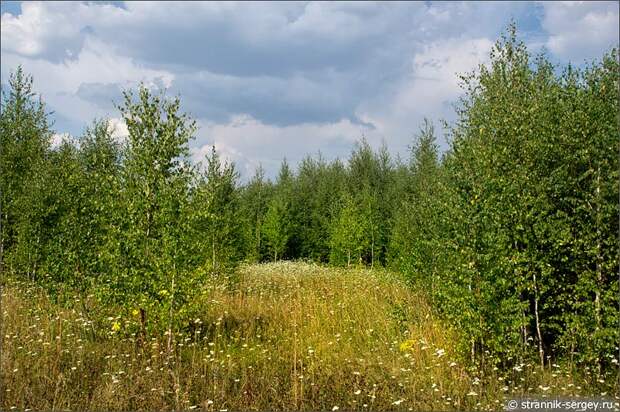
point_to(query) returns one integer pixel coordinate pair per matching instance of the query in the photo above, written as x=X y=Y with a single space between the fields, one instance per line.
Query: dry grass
x=288 y=336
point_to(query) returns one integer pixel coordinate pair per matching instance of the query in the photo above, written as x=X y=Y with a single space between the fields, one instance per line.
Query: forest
x=501 y=252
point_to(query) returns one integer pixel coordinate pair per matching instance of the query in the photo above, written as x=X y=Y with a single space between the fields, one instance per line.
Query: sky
x=267 y=81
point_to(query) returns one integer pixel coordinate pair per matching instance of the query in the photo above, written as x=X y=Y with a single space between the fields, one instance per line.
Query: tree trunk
x=372 y=245
x=170 y=309
x=213 y=250
x=541 y=352
x=372 y=253
x=599 y=258
x=1 y=238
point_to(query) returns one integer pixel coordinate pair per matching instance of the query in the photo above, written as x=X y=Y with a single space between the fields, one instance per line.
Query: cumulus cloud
x=269 y=144
x=429 y=89
x=54 y=31
x=118 y=129
x=581 y=30
x=268 y=80
x=59 y=138
x=80 y=89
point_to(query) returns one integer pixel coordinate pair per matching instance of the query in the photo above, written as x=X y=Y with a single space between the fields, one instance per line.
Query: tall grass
x=285 y=336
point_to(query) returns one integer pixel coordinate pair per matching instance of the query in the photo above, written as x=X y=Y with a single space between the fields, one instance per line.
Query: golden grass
x=288 y=336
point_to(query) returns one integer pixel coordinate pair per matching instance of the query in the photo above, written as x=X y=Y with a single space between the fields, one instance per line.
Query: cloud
x=268 y=80
x=118 y=129
x=581 y=30
x=54 y=31
x=429 y=90
x=58 y=139
x=249 y=142
x=80 y=89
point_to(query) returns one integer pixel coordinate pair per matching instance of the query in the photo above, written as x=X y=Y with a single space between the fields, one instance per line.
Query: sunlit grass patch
x=286 y=336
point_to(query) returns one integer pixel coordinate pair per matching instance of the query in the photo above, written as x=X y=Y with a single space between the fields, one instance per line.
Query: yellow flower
x=116 y=326
x=407 y=345
x=135 y=312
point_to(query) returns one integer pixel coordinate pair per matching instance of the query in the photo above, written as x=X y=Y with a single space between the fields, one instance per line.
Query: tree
x=156 y=176
x=278 y=224
x=254 y=201
x=350 y=238
x=25 y=135
x=215 y=206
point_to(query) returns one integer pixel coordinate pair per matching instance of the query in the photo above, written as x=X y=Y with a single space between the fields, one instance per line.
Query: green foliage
x=25 y=137
x=278 y=224
x=215 y=213
x=254 y=201
x=350 y=235
x=513 y=233
x=516 y=234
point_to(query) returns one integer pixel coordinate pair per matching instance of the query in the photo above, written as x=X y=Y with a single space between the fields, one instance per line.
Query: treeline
x=513 y=231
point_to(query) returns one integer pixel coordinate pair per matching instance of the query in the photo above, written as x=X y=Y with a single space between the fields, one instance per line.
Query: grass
x=287 y=336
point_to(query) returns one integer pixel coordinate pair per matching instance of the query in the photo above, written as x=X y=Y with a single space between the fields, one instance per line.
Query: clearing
x=285 y=336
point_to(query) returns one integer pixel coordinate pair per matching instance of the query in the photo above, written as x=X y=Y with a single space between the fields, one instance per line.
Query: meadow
x=279 y=336
x=134 y=278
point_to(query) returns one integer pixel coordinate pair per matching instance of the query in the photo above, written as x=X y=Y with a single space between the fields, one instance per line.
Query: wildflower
x=135 y=312
x=116 y=327
x=406 y=345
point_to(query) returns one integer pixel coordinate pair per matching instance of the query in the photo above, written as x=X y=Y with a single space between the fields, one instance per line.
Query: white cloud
x=59 y=138
x=53 y=30
x=249 y=142
x=118 y=129
x=269 y=80
x=59 y=82
x=581 y=30
x=429 y=90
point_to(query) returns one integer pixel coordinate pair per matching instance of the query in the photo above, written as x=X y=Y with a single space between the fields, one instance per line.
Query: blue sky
x=283 y=79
